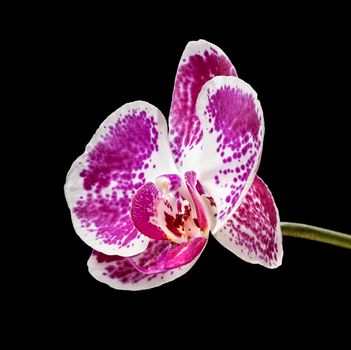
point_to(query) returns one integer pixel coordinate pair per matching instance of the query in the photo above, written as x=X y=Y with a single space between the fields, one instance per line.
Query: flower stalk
x=316 y=234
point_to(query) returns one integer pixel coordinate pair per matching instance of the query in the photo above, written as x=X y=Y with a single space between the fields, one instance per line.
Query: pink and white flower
x=145 y=200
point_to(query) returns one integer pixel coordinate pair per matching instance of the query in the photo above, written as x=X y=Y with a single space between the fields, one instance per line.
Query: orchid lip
x=171 y=208
x=189 y=219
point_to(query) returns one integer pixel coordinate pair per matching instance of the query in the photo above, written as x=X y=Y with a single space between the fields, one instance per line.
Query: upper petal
x=200 y=62
x=253 y=233
x=129 y=148
x=233 y=130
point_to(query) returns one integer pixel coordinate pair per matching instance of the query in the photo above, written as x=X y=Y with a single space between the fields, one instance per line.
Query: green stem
x=316 y=234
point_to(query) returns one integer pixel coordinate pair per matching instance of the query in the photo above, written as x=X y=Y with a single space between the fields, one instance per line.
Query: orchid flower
x=146 y=200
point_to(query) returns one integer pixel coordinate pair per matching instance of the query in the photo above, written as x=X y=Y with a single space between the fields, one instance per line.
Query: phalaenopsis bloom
x=146 y=199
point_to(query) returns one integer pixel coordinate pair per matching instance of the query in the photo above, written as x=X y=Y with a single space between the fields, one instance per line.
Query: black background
x=298 y=63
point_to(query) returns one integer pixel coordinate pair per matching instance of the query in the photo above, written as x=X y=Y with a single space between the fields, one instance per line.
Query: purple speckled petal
x=129 y=148
x=121 y=273
x=233 y=128
x=253 y=233
x=200 y=62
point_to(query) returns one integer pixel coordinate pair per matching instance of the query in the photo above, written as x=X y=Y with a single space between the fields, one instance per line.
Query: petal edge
x=253 y=233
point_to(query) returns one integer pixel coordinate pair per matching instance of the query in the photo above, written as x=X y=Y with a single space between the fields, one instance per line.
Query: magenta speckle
x=124 y=150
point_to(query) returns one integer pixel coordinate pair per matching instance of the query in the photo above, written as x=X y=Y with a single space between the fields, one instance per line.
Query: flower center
x=173 y=208
x=181 y=214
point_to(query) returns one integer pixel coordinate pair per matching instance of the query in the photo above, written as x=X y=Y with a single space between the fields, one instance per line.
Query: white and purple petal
x=233 y=130
x=129 y=148
x=200 y=62
x=125 y=273
x=253 y=233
